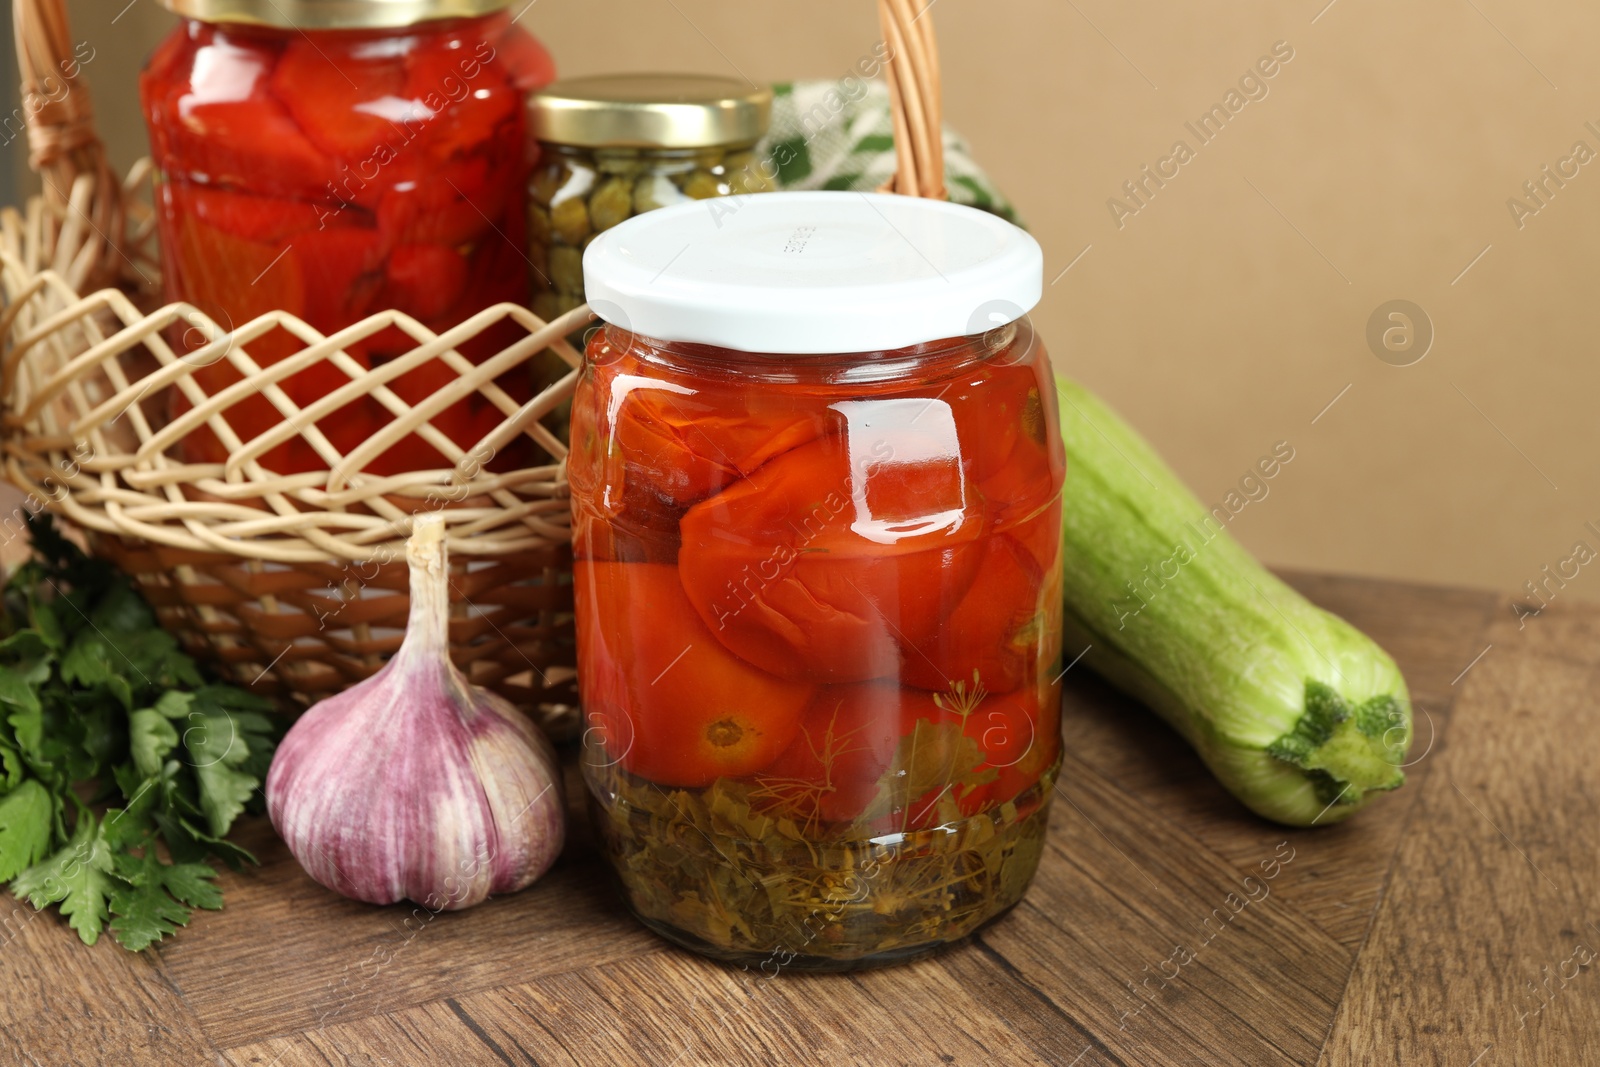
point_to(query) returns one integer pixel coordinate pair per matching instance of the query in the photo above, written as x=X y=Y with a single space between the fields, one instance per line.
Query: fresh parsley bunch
x=99 y=707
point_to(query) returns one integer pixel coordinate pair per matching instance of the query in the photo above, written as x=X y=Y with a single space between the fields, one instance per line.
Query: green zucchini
x=1298 y=714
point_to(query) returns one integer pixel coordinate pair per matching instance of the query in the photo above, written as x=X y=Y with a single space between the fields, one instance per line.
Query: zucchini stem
x=1346 y=752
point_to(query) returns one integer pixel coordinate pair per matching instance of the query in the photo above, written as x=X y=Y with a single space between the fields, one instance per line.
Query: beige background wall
x=1232 y=308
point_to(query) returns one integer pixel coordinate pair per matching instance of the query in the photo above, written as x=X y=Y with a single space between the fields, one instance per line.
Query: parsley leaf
x=89 y=661
x=150 y=738
x=11 y=768
x=99 y=705
x=25 y=824
x=155 y=898
x=19 y=693
x=79 y=877
x=219 y=742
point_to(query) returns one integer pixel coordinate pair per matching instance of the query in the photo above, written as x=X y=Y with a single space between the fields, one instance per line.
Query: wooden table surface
x=1453 y=922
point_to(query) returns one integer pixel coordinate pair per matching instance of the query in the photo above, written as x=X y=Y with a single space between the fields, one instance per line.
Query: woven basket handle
x=914 y=97
x=63 y=147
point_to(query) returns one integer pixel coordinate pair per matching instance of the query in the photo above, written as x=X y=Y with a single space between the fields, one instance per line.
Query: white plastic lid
x=813 y=272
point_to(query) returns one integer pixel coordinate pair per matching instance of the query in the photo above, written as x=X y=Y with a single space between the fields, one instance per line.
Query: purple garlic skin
x=415 y=784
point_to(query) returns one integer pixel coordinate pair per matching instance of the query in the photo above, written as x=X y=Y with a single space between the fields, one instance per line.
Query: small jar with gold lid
x=335 y=158
x=615 y=146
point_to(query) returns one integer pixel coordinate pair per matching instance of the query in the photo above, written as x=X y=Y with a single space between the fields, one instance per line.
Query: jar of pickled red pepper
x=615 y=146
x=816 y=481
x=333 y=158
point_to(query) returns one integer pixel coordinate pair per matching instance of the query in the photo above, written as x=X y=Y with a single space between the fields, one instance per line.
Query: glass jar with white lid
x=816 y=479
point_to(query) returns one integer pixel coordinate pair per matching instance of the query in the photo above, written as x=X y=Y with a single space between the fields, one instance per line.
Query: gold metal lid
x=650 y=111
x=331 y=14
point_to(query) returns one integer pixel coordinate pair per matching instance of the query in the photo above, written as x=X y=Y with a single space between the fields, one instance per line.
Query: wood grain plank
x=66 y=1003
x=676 y=1009
x=1122 y=893
x=1493 y=894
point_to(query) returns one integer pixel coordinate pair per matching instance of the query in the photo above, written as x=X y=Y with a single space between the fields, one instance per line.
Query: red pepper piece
x=234 y=281
x=231 y=278
x=464 y=95
x=400 y=207
x=526 y=60
x=174 y=55
x=338 y=278
x=347 y=104
x=345 y=427
x=247 y=144
x=426 y=280
x=497 y=273
x=463 y=422
x=220 y=124
x=340 y=266
x=255 y=218
x=435 y=212
x=442 y=288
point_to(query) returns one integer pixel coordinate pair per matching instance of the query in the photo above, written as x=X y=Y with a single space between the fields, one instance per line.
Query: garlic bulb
x=415 y=783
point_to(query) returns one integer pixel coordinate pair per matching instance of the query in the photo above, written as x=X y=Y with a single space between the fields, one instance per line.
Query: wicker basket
x=294 y=584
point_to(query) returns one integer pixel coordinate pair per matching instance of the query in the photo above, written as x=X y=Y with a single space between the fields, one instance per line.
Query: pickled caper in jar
x=653 y=191
x=546 y=305
x=570 y=220
x=611 y=203
x=746 y=175
x=703 y=185
x=539 y=229
x=709 y=158
x=566 y=269
x=750 y=181
x=627 y=162
x=548 y=179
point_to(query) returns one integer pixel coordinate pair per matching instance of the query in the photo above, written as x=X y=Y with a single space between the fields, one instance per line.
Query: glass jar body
x=579 y=192
x=818 y=606
x=335 y=173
